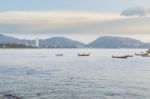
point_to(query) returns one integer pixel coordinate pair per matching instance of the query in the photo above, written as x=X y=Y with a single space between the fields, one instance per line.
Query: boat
x=140 y=54
x=144 y=54
x=83 y=54
x=137 y=54
x=58 y=54
x=148 y=51
x=120 y=56
x=129 y=55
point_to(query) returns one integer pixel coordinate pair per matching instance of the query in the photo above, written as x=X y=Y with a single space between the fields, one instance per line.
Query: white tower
x=37 y=42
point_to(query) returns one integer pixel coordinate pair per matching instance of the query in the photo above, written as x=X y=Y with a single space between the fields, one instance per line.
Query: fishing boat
x=129 y=55
x=148 y=51
x=83 y=54
x=58 y=54
x=140 y=54
x=144 y=54
x=120 y=56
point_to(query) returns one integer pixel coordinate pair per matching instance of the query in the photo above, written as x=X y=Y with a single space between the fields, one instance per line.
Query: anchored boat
x=144 y=54
x=83 y=54
x=129 y=55
x=120 y=56
x=59 y=55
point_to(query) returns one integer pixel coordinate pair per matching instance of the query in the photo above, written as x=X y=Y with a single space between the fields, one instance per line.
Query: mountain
x=145 y=45
x=58 y=42
x=12 y=40
x=8 y=39
x=61 y=42
x=117 y=42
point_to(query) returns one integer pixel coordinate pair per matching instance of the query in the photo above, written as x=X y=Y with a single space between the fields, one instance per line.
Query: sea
x=39 y=74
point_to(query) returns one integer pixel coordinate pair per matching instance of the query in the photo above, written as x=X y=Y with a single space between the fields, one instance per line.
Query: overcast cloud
x=71 y=23
x=136 y=11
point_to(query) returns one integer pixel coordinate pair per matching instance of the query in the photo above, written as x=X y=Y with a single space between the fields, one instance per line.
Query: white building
x=37 y=42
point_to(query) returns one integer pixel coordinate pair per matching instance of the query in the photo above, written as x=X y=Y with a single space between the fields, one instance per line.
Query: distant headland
x=62 y=42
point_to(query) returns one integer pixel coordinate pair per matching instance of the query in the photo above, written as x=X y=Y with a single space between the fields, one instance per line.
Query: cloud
x=66 y=23
x=51 y=22
x=136 y=11
x=27 y=16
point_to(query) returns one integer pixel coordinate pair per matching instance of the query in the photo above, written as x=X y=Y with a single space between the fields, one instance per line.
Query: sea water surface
x=39 y=74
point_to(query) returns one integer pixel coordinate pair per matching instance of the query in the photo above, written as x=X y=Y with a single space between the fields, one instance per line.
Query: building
x=37 y=42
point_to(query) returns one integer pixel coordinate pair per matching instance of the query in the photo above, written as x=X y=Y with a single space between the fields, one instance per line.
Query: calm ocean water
x=39 y=74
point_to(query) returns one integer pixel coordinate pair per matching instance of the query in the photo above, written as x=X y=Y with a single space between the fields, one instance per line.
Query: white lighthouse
x=37 y=42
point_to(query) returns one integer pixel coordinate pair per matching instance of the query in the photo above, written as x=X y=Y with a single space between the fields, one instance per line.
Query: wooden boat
x=142 y=54
x=83 y=54
x=148 y=51
x=59 y=55
x=145 y=55
x=129 y=55
x=120 y=56
x=136 y=54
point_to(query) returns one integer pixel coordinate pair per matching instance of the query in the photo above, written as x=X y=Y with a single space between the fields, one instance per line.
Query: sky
x=83 y=20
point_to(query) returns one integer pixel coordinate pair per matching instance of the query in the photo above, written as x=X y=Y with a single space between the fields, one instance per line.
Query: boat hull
x=83 y=54
x=124 y=57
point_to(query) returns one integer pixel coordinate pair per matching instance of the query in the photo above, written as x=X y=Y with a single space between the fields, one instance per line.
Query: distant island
x=62 y=42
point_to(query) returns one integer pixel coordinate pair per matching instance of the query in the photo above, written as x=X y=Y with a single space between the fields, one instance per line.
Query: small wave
x=9 y=96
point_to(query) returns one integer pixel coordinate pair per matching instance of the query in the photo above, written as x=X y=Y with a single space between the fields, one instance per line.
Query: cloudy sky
x=82 y=20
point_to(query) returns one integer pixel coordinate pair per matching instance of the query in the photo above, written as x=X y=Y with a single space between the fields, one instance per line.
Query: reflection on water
x=39 y=74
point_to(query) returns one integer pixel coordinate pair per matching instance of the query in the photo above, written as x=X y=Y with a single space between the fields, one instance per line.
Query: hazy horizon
x=69 y=37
